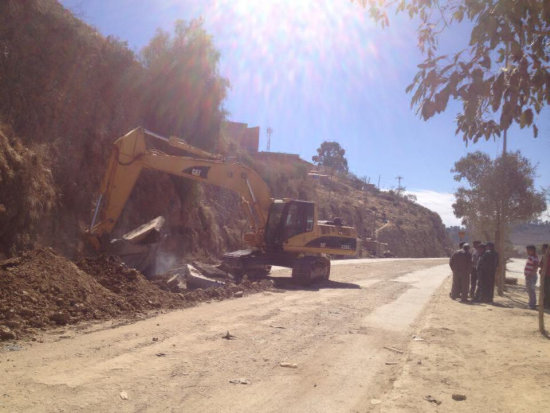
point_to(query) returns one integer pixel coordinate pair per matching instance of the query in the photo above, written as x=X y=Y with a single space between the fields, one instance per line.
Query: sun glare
x=303 y=44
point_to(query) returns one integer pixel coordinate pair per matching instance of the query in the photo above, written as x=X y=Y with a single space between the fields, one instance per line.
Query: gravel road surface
x=331 y=348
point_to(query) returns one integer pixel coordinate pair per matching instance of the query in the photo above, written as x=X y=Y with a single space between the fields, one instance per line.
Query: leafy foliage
x=497 y=189
x=331 y=156
x=501 y=76
x=184 y=89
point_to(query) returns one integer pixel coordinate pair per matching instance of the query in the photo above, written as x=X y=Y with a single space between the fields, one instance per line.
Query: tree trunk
x=541 y=292
x=499 y=246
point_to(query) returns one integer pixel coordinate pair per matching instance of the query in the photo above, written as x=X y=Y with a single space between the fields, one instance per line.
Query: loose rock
x=7 y=334
x=432 y=400
x=239 y=381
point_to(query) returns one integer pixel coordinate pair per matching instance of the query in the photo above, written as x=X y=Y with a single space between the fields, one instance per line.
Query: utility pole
x=399 y=187
x=269 y=131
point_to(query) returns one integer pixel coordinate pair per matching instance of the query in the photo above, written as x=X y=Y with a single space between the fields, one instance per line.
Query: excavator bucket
x=138 y=248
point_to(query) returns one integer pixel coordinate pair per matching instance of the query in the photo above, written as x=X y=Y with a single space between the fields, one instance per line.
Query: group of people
x=474 y=272
x=530 y=272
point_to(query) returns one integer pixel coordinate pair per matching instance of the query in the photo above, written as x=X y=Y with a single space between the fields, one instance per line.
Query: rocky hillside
x=68 y=92
x=409 y=229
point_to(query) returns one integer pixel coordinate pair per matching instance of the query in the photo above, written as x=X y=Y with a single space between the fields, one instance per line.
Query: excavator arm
x=131 y=154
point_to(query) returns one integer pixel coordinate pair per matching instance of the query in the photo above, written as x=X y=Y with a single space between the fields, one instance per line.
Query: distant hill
x=530 y=233
x=520 y=235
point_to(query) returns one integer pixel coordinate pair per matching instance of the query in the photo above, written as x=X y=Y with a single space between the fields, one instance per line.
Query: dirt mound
x=41 y=289
x=128 y=283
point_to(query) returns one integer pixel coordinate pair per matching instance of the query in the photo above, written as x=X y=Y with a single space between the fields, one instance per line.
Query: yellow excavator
x=283 y=232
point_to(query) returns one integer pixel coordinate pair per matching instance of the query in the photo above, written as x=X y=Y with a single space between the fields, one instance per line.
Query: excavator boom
x=130 y=155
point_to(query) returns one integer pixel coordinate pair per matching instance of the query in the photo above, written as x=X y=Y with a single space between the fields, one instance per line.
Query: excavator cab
x=286 y=219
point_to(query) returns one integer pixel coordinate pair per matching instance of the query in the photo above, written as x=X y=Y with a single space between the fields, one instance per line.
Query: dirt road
x=333 y=338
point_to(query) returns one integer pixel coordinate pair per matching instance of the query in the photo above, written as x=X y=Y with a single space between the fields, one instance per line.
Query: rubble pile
x=128 y=283
x=41 y=289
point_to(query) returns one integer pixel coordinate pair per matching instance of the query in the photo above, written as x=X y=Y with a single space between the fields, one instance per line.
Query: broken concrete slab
x=177 y=283
x=210 y=271
x=197 y=280
x=147 y=233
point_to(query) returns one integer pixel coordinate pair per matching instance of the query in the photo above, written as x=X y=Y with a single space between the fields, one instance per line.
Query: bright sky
x=316 y=70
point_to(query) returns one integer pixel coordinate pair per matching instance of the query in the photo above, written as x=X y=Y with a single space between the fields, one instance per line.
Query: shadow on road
x=286 y=283
x=515 y=296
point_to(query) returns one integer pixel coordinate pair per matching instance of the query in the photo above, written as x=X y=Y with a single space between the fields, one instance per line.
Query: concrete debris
x=210 y=271
x=6 y=333
x=240 y=381
x=123 y=395
x=432 y=400
x=229 y=336
x=177 y=283
x=196 y=280
x=396 y=350
x=375 y=401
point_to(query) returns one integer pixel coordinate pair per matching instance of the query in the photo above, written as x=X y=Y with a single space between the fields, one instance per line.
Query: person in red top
x=546 y=276
x=530 y=273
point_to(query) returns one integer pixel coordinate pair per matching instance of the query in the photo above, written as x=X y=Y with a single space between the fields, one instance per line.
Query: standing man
x=473 y=274
x=486 y=269
x=461 y=263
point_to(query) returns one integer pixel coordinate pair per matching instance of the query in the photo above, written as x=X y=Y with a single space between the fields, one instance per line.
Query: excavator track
x=307 y=270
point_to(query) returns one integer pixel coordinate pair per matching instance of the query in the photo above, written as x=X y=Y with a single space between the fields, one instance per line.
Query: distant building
x=245 y=137
x=238 y=133
x=282 y=156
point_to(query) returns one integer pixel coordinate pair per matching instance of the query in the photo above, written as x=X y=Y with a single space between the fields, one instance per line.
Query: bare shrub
x=27 y=193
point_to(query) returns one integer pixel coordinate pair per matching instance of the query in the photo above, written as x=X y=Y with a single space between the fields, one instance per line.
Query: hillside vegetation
x=68 y=92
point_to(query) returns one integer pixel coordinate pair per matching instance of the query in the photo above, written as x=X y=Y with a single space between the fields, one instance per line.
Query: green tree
x=331 y=155
x=501 y=76
x=183 y=90
x=499 y=191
